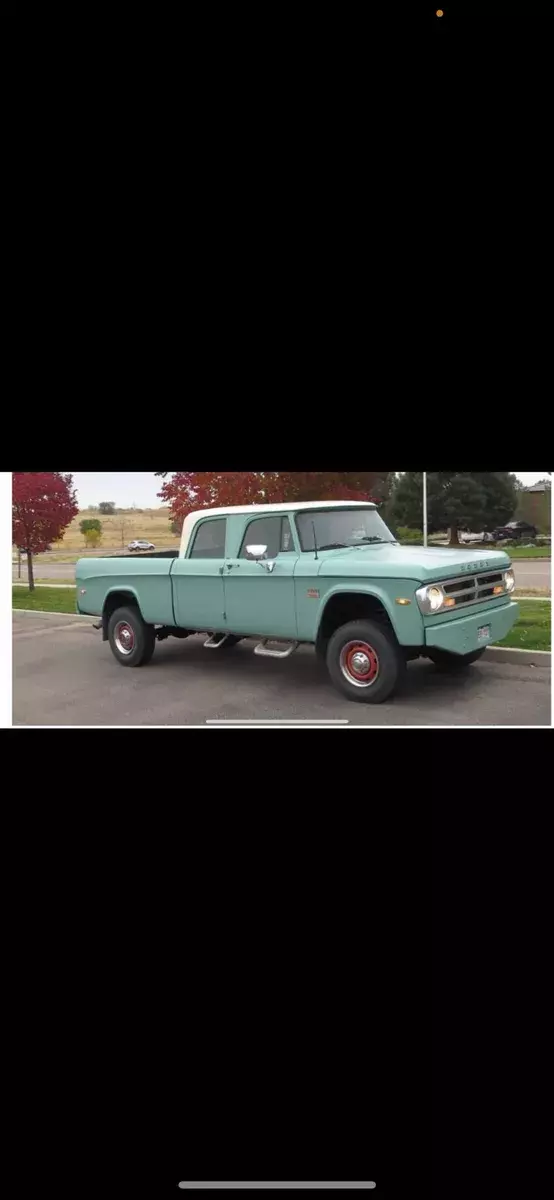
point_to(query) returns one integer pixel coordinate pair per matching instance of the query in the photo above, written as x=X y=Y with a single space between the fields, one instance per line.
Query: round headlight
x=431 y=598
x=509 y=580
x=435 y=596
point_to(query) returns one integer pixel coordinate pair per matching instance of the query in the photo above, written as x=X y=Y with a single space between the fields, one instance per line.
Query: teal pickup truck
x=328 y=573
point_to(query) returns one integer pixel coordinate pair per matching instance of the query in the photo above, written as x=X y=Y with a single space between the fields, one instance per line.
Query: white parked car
x=468 y=538
x=133 y=546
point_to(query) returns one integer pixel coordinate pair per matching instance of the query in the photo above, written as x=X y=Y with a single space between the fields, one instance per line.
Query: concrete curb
x=511 y=654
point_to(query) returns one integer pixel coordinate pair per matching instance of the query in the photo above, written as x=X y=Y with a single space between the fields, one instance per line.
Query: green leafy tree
x=90 y=525
x=107 y=507
x=455 y=500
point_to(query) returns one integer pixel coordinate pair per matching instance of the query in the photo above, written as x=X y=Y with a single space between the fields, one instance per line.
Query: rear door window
x=209 y=540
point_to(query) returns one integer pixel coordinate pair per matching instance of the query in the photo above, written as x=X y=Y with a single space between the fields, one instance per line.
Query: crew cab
x=325 y=573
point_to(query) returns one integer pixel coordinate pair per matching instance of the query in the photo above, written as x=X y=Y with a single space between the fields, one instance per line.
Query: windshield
x=338 y=527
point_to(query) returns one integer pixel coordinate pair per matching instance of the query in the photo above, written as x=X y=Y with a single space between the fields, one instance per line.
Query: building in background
x=534 y=505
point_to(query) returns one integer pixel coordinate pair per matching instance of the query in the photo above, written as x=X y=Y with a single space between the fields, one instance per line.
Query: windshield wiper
x=334 y=546
x=383 y=541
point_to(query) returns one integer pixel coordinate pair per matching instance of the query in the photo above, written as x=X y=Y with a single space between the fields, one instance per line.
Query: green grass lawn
x=62 y=600
x=532 y=630
x=45 y=579
x=520 y=552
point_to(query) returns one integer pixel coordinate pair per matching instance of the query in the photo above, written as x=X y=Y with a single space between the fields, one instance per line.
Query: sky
x=123 y=487
x=140 y=487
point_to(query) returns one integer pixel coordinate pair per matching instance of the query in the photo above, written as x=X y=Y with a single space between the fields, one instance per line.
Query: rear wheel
x=132 y=641
x=444 y=661
x=364 y=661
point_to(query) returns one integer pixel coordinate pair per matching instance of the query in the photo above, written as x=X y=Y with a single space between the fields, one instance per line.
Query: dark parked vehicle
x=514 y=530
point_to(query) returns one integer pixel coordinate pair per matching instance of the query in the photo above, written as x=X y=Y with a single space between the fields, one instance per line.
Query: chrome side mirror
x=258 y=554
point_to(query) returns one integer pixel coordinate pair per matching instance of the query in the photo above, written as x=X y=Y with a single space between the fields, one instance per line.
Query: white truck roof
x=238 y=510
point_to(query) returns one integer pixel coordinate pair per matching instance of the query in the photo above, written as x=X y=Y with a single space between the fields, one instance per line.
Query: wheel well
x=113 y=601
x=351 y=606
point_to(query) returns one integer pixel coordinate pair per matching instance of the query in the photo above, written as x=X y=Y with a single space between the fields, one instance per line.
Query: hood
x=409 y=562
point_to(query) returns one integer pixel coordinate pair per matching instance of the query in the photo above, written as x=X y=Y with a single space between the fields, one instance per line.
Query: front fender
x=406 y=620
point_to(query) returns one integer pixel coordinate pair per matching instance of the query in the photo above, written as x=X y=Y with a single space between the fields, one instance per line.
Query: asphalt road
x=63 y=674
x=45 y=570
x=535 y=573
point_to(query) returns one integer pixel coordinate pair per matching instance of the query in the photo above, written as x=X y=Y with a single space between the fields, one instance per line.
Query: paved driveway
x=65 y=675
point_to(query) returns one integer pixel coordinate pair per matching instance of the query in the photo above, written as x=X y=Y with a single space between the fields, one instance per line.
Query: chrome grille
x=473 y=589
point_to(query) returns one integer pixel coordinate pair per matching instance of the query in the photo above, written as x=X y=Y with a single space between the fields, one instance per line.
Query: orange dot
x=440 y=12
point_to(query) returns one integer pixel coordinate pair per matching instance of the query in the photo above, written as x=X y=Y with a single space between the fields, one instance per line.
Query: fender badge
x=313 y=593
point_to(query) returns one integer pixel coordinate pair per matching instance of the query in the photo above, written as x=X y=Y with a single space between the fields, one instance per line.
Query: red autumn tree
x=186 y=491
x=43 y=505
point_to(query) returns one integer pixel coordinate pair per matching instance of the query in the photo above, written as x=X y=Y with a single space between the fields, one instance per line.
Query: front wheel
x=364 y=661
x=132 y=641
x=445 y=661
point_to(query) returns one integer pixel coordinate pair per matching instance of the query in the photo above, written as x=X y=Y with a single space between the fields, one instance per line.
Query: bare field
x=152 y=524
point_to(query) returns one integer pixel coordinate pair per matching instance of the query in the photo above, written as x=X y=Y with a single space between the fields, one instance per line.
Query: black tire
x=444 y=661
x=140 y=641
x=386 y=664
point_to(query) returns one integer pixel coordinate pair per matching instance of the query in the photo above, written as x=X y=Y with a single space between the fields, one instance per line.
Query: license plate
x=484 y=633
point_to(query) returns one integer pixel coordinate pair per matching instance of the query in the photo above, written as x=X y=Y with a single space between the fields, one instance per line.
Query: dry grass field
x=152 y=524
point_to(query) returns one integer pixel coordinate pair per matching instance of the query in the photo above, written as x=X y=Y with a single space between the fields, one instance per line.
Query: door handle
x=230 y=566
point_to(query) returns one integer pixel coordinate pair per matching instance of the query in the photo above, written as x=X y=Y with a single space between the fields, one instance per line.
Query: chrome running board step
x=261 y=648
x=215 y=640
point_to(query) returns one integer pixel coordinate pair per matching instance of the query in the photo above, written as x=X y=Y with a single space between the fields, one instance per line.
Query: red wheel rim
x=124 y=637
x=359 y=663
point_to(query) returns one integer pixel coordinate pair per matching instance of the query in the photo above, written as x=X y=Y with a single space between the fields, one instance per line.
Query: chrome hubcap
x=124 y=638
x=359 y=663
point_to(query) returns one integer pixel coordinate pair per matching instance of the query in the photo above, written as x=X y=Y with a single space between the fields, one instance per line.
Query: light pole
x=425 y=508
